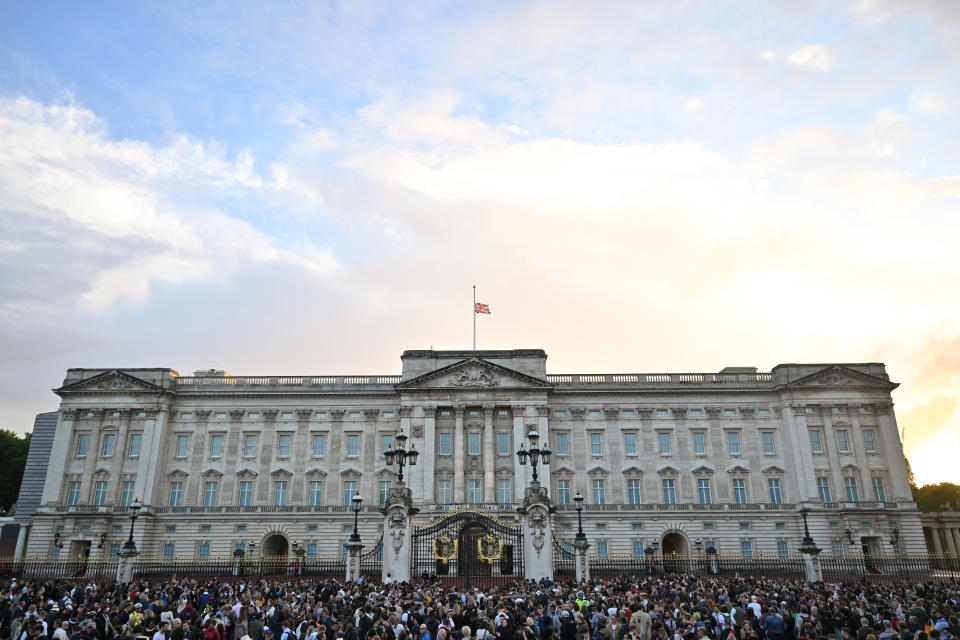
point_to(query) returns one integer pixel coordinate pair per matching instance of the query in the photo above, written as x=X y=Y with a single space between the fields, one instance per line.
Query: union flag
x=479 y=307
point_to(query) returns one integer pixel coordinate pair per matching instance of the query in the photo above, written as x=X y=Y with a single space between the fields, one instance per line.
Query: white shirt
x=757 y=610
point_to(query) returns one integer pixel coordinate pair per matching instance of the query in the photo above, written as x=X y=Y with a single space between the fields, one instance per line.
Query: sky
x=311 y=188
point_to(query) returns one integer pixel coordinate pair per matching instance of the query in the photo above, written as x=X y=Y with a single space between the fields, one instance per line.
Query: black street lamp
x=135 y=507
x=534 y=453
x=581 y=536
x=894 y=537
x=699 y=544
x=807 y=538
x=401 y=454
x=357 y=500
x=849 y=535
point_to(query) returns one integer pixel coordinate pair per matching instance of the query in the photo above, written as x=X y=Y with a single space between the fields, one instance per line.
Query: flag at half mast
x=479 y=307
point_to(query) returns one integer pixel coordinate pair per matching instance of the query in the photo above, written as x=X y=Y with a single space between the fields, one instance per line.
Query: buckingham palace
x=674 y=461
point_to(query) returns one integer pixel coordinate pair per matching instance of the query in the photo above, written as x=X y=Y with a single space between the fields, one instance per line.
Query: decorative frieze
x=202 y=415
x=371 y=414
x=578 y=412
x=337 y=414
x=269 y=414
x=303 y=414
x=713 y=412
x=748 y=412
x=679 y=412
x=237 y=414
x=611 y=413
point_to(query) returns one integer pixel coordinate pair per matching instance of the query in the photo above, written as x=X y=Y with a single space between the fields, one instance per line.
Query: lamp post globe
x=356 y=501
x=578 y=500
x=135 y=507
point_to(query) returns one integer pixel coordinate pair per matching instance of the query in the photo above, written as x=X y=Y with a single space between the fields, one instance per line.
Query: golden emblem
x=444 y=549
x=489 y=548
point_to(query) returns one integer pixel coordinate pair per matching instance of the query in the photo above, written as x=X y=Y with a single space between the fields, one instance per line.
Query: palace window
x=210 y=494
x=444 y=446
x=562 y=448
x=703 y=491
x=776 y=495
x=203 y=550
x=504 y=493
x=473 y=443
x=699 y=443
x=733 y=443
x=182 y=443
x=444 y=492
x=316 y=493
x=563 y=492
x=869 y=440
x=769 y=447
x=782 y=548
x=596 y=444
x=319 y=445
x=133 y=446
x=739 y=491
x=633 y=491
x=168 y=550
x=249 y=445
x=669 y=488
x=823 y=489
x=353 y=445
x=843 y=441
x=349 y=490
x=280 y=493
x=879 y=492
x=283 y=445
x=126 y=493
x=83 y=443
x=664 y=441
x=384 y=491
x=816 y=441
x=386 y=442
x=853 y=489
x=216 y=446
x=599 y=491
x=99 y=492
x=474 y=491
x=246 y=492
x=109 y=444
x=176 y=494
x=602 y=548
x=630 y=444
x=503 y=444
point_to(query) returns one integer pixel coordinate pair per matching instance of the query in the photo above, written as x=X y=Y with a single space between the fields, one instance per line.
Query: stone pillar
x=125 y=564
x=935 y=535
x=956 y=537
x=398 y=512
x=458 y=446
x=519 y=437
x=582 y=559
x=21 y=540
x=489 y=455
x=813 y=571
x=428 y=494
x=119 y=455
x=951 y=545
x=537 y=536
x=353 y=561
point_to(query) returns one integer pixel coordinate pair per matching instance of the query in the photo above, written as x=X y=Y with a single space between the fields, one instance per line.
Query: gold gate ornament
x=445 y=549
x=489 y=548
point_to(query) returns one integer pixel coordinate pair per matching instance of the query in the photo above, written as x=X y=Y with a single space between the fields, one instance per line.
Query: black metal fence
x=564 y=559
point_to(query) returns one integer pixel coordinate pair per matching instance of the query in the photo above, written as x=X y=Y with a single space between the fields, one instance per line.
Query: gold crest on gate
x=489 y=548
x=444 y=548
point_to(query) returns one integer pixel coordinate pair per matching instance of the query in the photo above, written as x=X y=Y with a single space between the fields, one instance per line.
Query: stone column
x=125 y=565
x=935 y=535
x=151 y=446
x=21 y=540
x=119 y=455
x=582 y=559
x=519 y=437
x=543 y=470
x=951 y=545
x=956 y=537
x=458 y=446
x=353 y=561
x=93 y=453
x=537 y=536
x=489 y=455
x=398 y=512
x=426 y=494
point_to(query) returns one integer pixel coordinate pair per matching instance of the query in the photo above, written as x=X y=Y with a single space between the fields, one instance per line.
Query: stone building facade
x=680 y=461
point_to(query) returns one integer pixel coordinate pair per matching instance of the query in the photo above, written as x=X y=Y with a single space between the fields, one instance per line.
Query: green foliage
x=13 y=458
x=931 y=497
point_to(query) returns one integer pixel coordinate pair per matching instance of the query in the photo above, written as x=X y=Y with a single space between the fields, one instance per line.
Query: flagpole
x=474 y=310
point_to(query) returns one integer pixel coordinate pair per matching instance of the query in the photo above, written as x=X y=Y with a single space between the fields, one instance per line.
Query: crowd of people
x=678 y=607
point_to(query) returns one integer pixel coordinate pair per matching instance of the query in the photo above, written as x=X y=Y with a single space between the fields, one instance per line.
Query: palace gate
x=468 y=547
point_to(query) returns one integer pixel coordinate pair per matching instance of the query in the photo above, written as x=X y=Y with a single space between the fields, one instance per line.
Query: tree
x=931 y=497
x=13 y=453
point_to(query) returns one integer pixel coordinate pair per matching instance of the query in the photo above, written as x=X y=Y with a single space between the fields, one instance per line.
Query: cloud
x=929 y=102
x=812 y=56
x=112 y=218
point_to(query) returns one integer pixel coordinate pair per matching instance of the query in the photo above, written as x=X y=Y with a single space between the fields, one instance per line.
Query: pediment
x=841 y=376
x=598 y=471
x=738 y=470
x=212 y=473
x=280 y=472
x=474 y=373
x=667 y=469
x=703 y=470
x=316 y=473
x=559 y=471
x=850 y=468
x=177 y=474
x=246 y=473
x=633 y=471
x=350 y=474
x=112 y=381
x=773 y=470
x=384 y=473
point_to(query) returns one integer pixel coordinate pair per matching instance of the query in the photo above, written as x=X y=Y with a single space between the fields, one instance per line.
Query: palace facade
x=682 y=462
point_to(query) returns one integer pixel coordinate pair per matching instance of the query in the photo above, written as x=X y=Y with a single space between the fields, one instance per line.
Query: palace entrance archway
x=275 y=546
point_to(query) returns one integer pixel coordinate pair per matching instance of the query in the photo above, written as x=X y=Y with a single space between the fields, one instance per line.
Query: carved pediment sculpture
x=111 y=381
x=841 y=376
x=474 y=373
x=474 y=377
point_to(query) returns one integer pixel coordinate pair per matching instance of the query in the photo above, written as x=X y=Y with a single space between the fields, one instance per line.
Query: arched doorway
x=674 y=542
x=275 y=546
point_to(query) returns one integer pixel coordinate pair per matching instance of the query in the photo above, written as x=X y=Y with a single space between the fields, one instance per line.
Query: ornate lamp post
x=299 y=552
x=135 y=507
x=534 y=453
x=401 y=455
x=581 y=536
x=580 y=544
x=356 y=501
x=811 y=552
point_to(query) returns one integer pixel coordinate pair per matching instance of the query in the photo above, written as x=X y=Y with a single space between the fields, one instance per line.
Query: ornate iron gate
x=468 y=547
